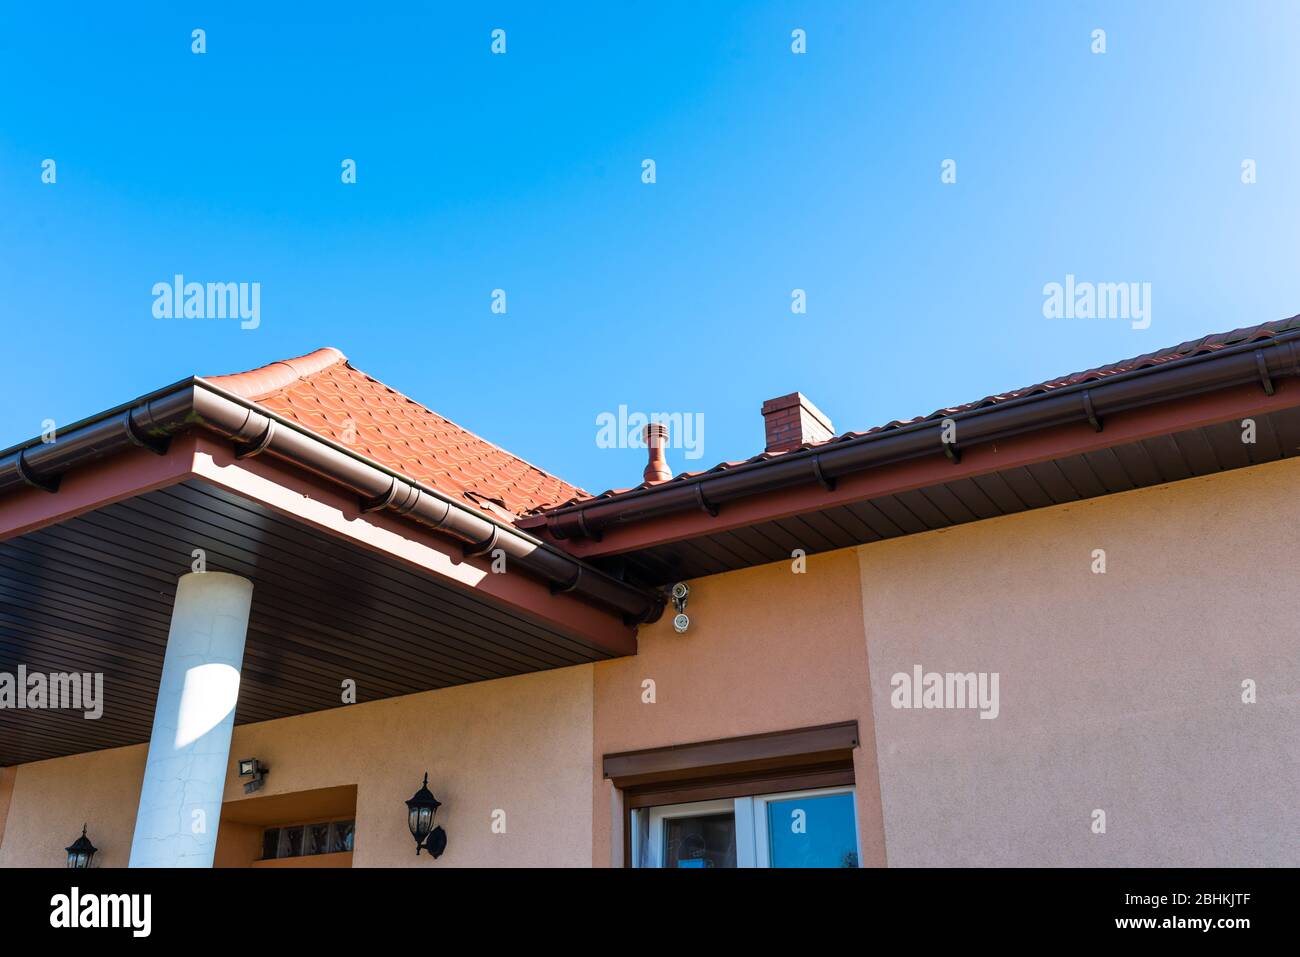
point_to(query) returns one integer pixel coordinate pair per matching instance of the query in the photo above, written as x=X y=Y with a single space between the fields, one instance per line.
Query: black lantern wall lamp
x=81 y=852
x=420 y=810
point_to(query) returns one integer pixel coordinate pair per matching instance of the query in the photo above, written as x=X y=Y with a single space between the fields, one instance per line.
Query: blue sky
x=522 y=172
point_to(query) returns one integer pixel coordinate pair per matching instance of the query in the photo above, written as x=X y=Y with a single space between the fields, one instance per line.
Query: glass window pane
x=815 y=831
x=270 y=843
x=290 y=842
x=707 y=840
x=316 y=839
x=341 y=836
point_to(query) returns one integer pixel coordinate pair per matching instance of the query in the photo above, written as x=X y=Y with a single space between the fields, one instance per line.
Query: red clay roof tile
x=323 y=392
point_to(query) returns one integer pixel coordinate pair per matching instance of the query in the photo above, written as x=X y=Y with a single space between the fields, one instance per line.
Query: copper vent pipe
x=656 y=439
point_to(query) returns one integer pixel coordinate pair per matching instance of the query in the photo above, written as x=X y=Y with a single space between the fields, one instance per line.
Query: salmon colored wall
x=521 y=745
x=767 y=650
x=52 y=799
x=6 y=792
x=238 y=844
x=1118 y=692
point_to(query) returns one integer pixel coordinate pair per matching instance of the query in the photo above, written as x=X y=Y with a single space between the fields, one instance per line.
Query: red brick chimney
x=791 y=421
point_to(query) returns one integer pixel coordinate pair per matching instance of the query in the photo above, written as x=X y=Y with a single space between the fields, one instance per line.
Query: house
x=291 y=617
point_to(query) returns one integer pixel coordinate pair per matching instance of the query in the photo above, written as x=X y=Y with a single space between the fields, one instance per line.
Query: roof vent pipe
x=656 y=439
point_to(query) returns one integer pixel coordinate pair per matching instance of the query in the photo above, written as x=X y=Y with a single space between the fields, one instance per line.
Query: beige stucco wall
x=1119 y=692
x=521 y=745
x=767 y=650
x=6 y=792
x=52 y=799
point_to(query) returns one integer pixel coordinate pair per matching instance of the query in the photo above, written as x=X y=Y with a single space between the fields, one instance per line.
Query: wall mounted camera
x=680 y=592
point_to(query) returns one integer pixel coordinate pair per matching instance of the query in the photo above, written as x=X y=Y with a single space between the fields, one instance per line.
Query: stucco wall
x=6 y=792
x=1118 y=691
x=52 y=799
x=521 y=745
x=767 y=650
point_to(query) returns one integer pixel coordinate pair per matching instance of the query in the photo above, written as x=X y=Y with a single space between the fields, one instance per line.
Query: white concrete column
x=189 y=749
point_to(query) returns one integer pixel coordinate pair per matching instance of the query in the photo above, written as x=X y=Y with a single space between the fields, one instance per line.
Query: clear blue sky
x=523 y=172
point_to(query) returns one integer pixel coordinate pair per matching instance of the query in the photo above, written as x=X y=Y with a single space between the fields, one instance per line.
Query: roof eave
x=1259 y=362
x=152 y=421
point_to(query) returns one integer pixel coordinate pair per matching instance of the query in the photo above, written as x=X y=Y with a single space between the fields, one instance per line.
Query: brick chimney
x=791 y=421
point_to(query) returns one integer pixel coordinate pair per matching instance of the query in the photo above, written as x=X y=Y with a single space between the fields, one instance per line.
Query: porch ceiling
x=94 y=594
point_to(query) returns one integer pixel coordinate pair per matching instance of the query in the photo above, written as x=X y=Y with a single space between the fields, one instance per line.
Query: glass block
x=290 y=842
x=340 y=836
x=270 y=843
x=316 y=839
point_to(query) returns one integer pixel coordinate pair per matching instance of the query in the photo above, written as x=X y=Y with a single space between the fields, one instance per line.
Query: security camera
x=680 y=592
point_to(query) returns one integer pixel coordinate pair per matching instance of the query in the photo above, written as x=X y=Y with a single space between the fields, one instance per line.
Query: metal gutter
x=1260 y=361
x=151 y=421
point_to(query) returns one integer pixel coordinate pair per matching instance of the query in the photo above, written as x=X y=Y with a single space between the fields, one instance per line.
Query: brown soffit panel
x=754 y=755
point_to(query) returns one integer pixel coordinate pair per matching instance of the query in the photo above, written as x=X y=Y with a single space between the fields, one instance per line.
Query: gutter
x=150 y=421
x=1260 y=362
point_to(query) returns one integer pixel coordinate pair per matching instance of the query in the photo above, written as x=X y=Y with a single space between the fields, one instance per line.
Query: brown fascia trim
x=150 y=422
x=1259 y=362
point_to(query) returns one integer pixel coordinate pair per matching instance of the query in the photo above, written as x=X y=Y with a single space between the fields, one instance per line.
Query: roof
x=1206 y=344
x=323 y=392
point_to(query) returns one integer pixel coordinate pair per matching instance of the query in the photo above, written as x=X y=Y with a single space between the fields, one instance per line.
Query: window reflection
x=704 y=841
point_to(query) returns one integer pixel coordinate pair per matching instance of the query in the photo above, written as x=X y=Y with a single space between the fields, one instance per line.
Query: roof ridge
x=257 y=384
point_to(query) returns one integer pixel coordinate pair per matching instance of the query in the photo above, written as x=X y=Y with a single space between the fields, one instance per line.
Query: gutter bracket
x=248 y=450
x=594 y=535
x=559 y=589
x=950 y=449
x=485 y=546
x=705 y=504
x=1090 y=411
x=139 y=439
x=380 y=501
x=24 y=473
x=1265 y=379
x=822 y=480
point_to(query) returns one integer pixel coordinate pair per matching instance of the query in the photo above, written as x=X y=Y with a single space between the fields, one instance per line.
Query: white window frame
x=752 y=847
x=658 y=815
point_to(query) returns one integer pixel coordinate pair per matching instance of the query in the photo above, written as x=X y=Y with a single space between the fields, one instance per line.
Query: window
x=815 y=828
x=305 y=840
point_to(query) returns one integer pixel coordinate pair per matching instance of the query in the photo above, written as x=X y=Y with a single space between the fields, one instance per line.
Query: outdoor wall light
x=420 y=810
x=252 y=768
x=81 y=851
